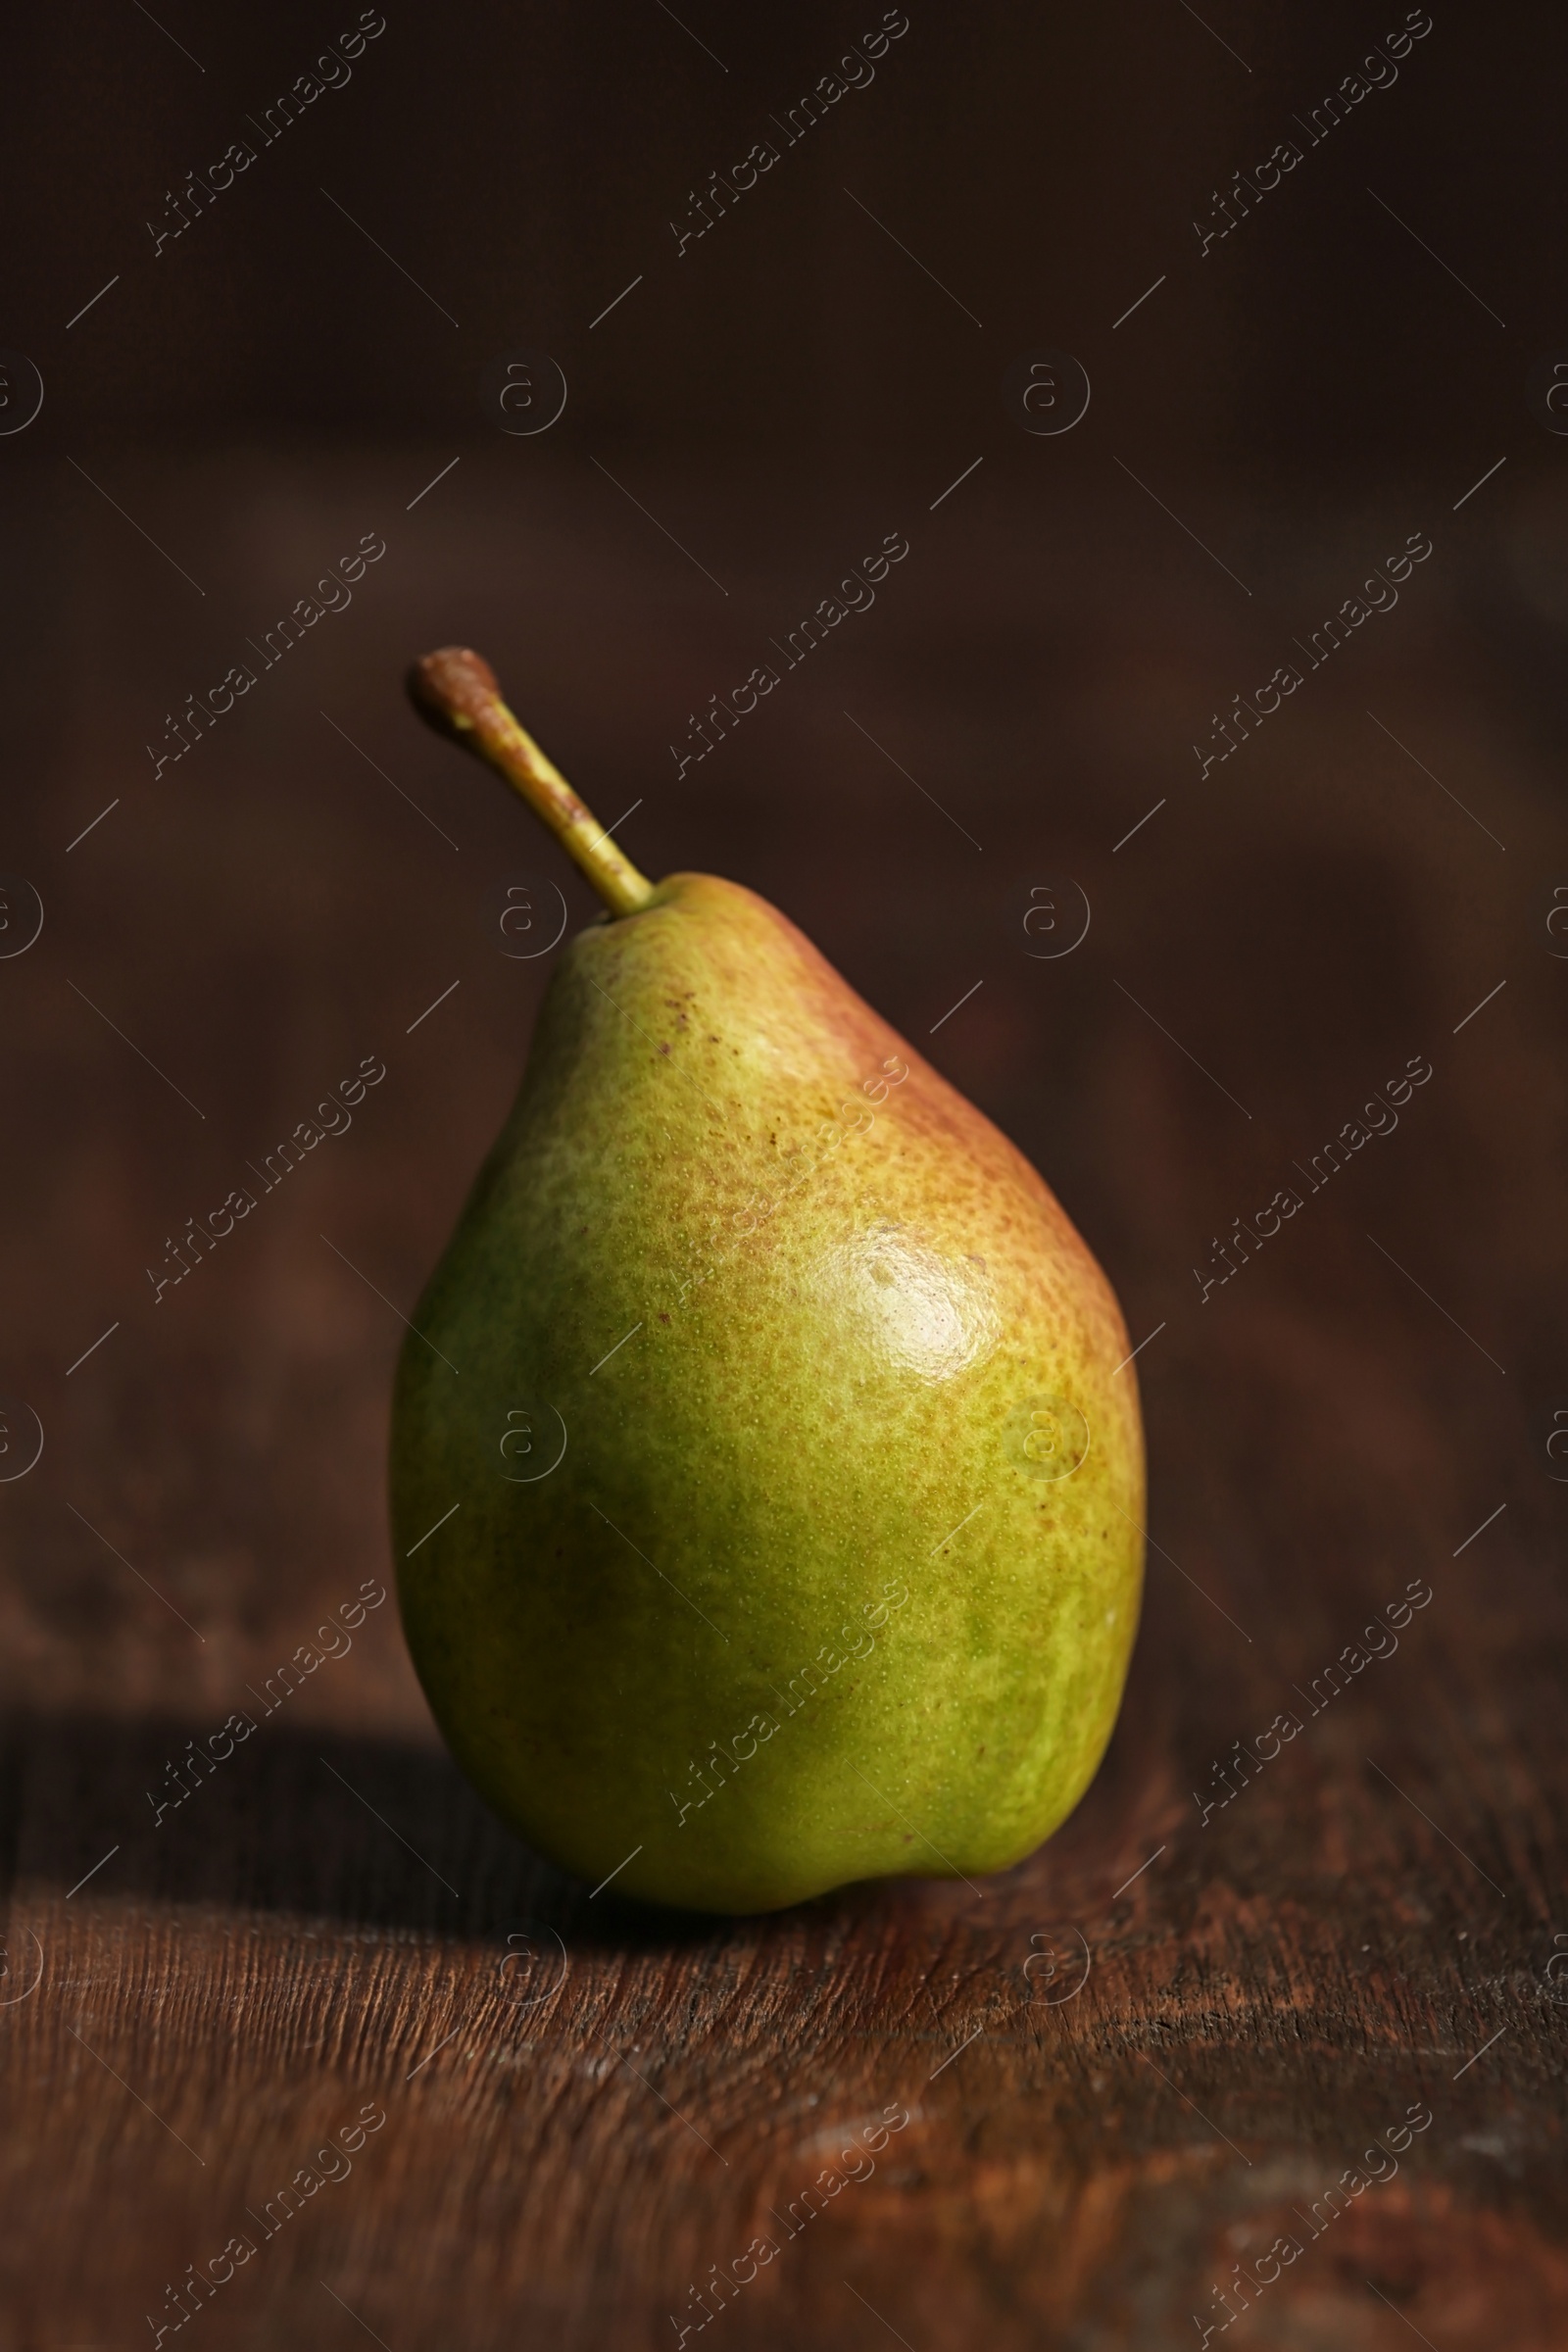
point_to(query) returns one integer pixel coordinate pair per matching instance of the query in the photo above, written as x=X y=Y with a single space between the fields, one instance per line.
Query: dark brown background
x=182 y=2030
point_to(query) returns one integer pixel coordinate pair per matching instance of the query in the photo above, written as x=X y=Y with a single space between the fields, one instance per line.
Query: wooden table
x=1109 y=2082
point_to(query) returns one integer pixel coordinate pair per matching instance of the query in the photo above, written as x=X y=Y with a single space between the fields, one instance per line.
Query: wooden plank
x=585 y=2130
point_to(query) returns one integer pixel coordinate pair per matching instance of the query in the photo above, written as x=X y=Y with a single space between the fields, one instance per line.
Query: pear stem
x=457 y=693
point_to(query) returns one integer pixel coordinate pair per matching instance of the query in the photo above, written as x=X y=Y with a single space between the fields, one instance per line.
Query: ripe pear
x=766 y=1473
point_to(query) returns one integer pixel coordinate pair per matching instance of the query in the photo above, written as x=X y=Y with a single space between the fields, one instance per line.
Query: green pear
x=766 y=1470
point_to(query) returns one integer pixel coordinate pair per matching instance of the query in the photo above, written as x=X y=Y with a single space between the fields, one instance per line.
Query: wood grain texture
x=588 y=2106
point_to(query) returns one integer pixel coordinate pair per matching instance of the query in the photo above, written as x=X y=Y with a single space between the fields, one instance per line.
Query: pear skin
x=799 y=1492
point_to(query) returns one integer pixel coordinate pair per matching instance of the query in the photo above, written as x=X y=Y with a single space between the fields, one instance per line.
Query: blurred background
x=1290 y=380
x=747 y=414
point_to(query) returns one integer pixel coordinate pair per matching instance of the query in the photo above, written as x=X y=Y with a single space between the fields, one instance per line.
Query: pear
x=767 y=1474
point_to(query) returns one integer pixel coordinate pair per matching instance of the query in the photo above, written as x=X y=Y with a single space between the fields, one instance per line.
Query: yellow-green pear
x=767 y=1474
